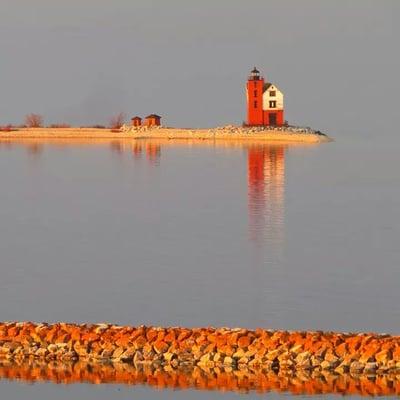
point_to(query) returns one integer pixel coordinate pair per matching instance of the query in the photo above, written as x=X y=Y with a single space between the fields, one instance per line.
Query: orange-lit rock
x=209 y=347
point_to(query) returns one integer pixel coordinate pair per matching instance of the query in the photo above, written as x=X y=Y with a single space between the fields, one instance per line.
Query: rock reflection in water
x=242 y=380
x=266 y=191
x=265 y=174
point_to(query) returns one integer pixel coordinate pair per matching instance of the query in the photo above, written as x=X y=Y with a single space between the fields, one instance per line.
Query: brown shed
x=153 y=120
x=136 y=121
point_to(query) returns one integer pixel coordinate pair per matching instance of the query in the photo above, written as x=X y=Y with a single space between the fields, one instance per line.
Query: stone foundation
x=202 y=347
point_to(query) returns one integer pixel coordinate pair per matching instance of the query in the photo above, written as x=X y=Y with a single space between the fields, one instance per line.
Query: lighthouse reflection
x=266 y=196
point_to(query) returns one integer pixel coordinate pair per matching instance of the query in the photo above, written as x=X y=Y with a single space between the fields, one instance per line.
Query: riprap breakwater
x=202 y=347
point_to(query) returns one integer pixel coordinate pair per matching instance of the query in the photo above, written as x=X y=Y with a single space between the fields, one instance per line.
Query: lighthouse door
x=272 y=119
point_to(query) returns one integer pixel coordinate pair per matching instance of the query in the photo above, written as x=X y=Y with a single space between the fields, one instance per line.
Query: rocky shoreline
x=202 y=347
x=270 y=133
x=233 y=129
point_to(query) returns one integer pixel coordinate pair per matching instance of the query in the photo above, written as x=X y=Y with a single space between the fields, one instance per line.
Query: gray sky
x=80 y=61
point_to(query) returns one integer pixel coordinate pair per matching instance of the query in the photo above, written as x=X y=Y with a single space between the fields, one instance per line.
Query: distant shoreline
x=224 y=133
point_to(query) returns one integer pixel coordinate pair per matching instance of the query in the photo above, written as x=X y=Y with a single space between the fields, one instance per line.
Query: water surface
x=225 y=234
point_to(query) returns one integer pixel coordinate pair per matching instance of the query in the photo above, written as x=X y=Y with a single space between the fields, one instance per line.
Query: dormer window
x=272 y=93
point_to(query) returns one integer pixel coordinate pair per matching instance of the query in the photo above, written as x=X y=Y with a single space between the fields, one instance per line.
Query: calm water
x=292 y=237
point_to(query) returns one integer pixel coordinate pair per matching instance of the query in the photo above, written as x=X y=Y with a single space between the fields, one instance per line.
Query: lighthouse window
x=272 y=93
x=272 y=104
x=255 y=104
x=255 y=93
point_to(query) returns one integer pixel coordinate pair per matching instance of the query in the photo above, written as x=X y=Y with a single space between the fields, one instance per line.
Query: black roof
x=136 y=117
x=266 y=86
x=153 y=116
x=255 y=71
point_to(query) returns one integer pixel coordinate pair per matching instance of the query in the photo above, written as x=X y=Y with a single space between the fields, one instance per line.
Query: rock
x=107 y=353
x=205 y=359
x=303 y=357
x=342 y=369
x=357 y=366
x=69 y=356
x=52 y=348
x=118 y=352
x=341 y=350
x=289 y=364
x=239 y=353
x=383 y=357
x=328 y=365
x=41 y=353
x=138 y=358
x=370 y=367
x=160 y=347
x=169 y=357
x=218 y=357
x=228 y=361
x=297 y=349
x=273 y=355
x=244 y=342
x=332 y=360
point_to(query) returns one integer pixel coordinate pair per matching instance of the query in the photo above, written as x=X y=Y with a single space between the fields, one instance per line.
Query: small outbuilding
x=136 y=121
x=152 y=120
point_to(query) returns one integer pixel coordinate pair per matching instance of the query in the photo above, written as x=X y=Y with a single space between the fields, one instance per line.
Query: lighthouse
x=264 y=102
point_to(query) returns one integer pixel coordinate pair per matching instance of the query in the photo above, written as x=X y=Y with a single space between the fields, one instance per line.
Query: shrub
x=117 y=121
x=33 y=121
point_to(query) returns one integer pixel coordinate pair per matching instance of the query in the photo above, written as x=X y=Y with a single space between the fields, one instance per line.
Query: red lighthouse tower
x=255 y=88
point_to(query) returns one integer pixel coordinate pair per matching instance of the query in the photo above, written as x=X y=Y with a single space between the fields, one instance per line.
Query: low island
x=265 y=122
x=265 y=134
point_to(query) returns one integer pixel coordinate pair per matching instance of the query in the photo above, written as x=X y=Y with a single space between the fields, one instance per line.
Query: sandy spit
x=165 y=133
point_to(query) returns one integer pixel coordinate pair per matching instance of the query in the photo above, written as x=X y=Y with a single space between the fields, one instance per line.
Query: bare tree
x=33 y=121
x=117 y=120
